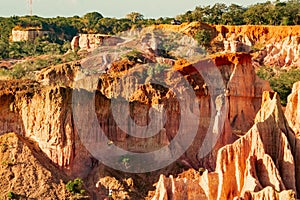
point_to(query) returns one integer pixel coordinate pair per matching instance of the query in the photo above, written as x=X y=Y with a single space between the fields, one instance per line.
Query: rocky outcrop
x=270 y=193
x=257 y=34
x=277 y=46
x=92 y=41
x=292 y=111
x=88 y=41
x=27 y=35
x=260 y=162
x=75 y=43
x=259 y=165
x=243 y=103
x=237 y=44
x=44 y=115
x=283 y=53
x=62 y=75
x=180 y=188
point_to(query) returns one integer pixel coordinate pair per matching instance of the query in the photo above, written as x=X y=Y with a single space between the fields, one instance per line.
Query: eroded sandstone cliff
x=262 y=164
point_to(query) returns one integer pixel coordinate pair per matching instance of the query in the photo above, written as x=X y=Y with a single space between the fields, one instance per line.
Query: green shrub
x=283 y=84
x=4 y=72
x=75 y=186
x=18 y=71
x=157 y=69
x=203 y=37
x=11 y=195
x=281 y=81
x=72 y=56
x=133 y=55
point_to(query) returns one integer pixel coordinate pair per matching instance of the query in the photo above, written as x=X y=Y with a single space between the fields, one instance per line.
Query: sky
x=108 y=8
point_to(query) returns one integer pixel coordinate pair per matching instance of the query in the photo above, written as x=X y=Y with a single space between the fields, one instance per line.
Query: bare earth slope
x=27 y=172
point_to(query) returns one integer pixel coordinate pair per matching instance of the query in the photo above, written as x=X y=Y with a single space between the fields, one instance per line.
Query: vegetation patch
x=281 y=81
x=203 y=37
x=134 y=56
x=11 y=195
x=26 y=69
x=75 y=186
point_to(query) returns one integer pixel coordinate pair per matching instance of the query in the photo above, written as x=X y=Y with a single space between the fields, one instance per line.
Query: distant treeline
x=65 y=28
x=268 y=13
x=62 y=30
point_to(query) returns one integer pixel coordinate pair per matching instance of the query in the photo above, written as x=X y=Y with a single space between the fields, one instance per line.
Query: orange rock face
x=280 y=44
x=45 y=116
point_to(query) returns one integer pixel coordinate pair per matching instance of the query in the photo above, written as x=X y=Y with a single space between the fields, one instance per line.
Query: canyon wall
x=27 y=173
x=44 y=113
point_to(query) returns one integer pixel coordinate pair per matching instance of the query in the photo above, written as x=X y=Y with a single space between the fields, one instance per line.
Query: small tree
x=135 y=16
x=92 y=18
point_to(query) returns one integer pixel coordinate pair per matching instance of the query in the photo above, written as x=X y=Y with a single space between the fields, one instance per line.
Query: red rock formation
x=269 y=193
x=259 y=165
x=75 y=43
x=62 y=75
x=258 y=33
x=179 y=188
x=278 y=49
x=292 y=114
